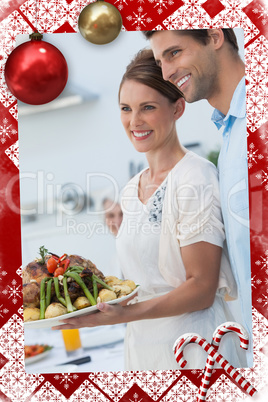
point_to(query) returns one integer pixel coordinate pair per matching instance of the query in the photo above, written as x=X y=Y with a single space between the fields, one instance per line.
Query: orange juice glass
x=72 y=341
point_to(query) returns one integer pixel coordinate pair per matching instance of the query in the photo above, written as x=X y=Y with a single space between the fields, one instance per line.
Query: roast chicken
x=31 y=294
x=35 y=271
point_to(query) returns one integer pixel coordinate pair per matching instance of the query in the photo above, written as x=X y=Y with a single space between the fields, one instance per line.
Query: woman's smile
x=141 y=135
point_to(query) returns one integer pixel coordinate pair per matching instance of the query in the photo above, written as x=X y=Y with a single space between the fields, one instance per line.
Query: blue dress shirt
x=233 y=177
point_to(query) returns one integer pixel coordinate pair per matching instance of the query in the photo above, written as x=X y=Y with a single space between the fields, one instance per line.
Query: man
x=113 y=215
x=205 y=64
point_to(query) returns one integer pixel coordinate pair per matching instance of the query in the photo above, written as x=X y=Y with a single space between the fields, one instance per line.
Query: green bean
x=48 y=293
x=82 y=284
x=95 y=289
x=69 y=306
x=75 y=268
x=43 y=297
x=97 y=279
x=57 y=290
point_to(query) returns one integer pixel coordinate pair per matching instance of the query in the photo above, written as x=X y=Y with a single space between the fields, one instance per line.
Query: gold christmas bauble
x=100 y=22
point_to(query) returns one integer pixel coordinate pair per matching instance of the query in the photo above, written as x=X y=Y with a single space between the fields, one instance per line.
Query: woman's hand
x=107 y=315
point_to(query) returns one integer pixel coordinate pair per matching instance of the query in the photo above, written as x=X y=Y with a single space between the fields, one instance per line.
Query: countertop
x=105 y=346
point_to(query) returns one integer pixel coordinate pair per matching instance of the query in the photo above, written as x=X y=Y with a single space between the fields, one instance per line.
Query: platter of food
x=34 y=353
x=56 y=287
x=51 y=322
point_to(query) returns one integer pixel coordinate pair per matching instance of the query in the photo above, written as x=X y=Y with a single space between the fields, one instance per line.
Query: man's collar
x=218 y=118
x=237 y=106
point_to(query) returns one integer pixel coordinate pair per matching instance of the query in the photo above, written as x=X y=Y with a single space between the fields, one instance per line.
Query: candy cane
x=218 y=334
x=185 y=339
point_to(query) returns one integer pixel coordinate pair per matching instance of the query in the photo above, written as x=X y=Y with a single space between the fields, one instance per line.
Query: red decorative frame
x=18 y=17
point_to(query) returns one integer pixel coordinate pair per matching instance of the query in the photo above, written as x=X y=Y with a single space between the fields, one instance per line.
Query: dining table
x=102 y=350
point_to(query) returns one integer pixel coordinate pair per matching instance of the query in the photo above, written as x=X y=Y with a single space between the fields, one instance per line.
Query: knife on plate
x=82 y=360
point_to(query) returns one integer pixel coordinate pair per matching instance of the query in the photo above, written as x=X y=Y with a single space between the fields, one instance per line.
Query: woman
x=171 y=239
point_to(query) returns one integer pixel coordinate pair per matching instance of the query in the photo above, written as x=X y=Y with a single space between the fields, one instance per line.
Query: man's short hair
x=201 y=35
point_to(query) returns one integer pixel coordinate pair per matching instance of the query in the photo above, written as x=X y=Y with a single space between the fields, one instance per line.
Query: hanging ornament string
x=36 y=15
x=100 y=22
x=36 y=35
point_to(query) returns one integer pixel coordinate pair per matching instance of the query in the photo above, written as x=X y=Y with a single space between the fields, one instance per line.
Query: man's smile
x=183 y=80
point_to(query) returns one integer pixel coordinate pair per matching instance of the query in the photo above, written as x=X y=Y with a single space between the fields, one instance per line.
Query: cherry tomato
x=51 y=265
x=59 y=271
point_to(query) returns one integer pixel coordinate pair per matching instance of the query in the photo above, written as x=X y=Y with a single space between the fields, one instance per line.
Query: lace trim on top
x=155 y=214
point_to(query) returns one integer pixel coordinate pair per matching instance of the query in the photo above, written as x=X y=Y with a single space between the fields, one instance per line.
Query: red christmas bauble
x=36 y=72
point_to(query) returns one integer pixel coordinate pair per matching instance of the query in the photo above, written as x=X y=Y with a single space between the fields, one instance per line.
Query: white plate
x=36 y=358
x=51 y=322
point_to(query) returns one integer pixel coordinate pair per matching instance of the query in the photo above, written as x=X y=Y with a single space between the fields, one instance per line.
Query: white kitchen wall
x=88 y=137
x=67 y=145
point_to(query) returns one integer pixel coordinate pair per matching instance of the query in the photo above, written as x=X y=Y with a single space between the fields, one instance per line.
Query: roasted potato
x=54 y=310
x=81 y=302
x=129 y=283
x=122 y=290
x=106 y=295
x=112 y=280
x=31 y=314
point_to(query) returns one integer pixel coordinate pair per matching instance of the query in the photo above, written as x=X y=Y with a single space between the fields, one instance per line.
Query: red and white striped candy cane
x=186 y=339
x=231 y=327
x=217 y=336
